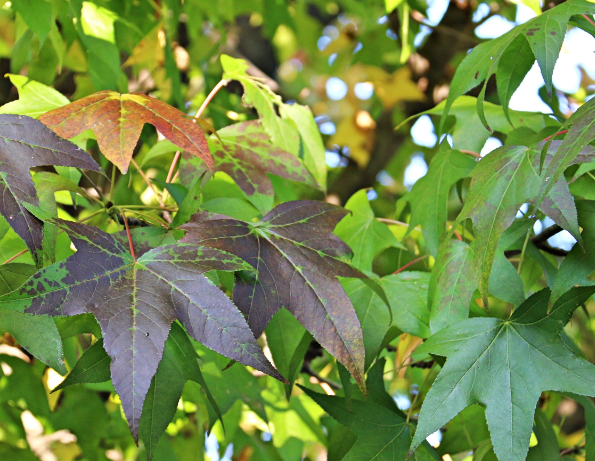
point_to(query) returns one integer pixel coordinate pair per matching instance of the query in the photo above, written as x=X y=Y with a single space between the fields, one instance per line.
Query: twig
x=149 y=183
x=308 y=370
x=540 y=241
x=421 y=258
x=94 y=185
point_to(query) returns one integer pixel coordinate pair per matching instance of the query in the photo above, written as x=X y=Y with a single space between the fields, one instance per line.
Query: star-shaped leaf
x=135 y=302
x=298 y=260
x=505 y=365
x=245 y=153
x=26 y=143
x=117 y=120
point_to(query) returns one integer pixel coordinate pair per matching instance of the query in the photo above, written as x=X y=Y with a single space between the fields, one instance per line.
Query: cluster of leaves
x=143 y=290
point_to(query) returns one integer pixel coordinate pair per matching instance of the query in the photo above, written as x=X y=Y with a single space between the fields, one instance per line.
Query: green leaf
x=26 y=143
x=382 y=435
x=581 y=126
x=283 y=132
x=135 y=302
x=288 y=342
x=35 y=98
x=469 y=132
x=189 y=205
x=408 y=293
x=298 y=260
x=505 y=282
x=505 y=365
x=452 y=284
x=312 y=151
x=429 y=195
x=373 y=314
x=37 y=14
x=179 y=364
x=244 y=152
x=579 y=263
x=92 y=367
x=38 y=335
x=516 y=62
x=544 y=34
x=365 y=235
x=503 y=181
x=560 y=207
x=547 y=448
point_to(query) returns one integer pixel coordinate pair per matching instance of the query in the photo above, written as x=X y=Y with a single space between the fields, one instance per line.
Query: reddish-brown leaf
x=117 y=120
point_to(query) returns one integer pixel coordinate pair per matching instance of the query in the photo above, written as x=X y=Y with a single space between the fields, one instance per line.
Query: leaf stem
x=149 y=183
x=22 y=252
x=223 y=82
x=471 y=153
x=523 y=251
x=554 y=135
x=129 y=237
x=113 y=182
x=94 y=185
x=589 y=19
x=416 y=260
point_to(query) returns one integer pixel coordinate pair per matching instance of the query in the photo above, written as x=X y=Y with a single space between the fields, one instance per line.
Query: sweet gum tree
x=189 y=184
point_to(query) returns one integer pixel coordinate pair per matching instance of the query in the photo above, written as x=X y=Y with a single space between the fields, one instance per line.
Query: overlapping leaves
x=297 y=259
x=117 y=120
x=505 y=365
x=511 y=55
x=135 y=302
x=26 y=143
x=245 y=153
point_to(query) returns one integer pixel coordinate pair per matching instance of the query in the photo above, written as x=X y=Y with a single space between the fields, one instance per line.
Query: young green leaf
x=283 y=133
x=364 y=234
x=298 y=260
x=505 y=365
x=121 y=117
x=26 y=143
x=135 y=302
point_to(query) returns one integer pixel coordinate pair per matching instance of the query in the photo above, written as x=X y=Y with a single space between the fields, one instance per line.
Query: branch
x=540 y=241
x=308 y=370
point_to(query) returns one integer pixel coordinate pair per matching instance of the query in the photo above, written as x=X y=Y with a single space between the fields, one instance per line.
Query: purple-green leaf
x=297 y=259
x=135 y=302
x=26 y=143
